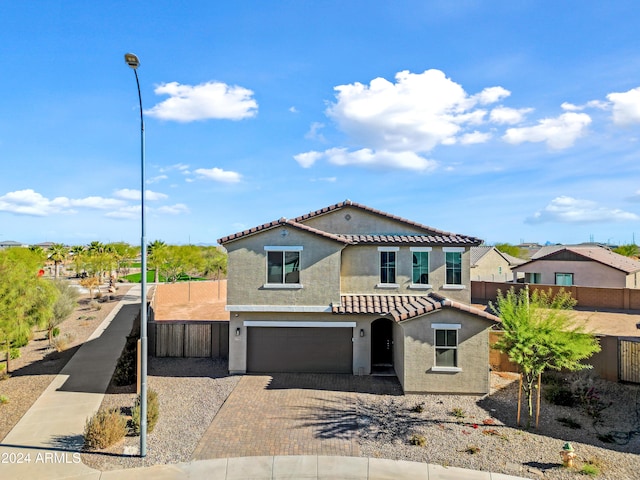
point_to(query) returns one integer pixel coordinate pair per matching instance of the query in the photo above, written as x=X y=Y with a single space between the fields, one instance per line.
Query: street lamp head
x=132 y=60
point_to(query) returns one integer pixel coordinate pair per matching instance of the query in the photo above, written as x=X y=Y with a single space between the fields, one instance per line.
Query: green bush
x=559 y=395
x=104 y=429
x=14 y=352
x=55 y=332
x=126 y=368
x=153 y=412
x=4 y=399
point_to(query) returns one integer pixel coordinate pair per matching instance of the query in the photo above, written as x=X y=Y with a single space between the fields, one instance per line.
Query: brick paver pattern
x=288 y=414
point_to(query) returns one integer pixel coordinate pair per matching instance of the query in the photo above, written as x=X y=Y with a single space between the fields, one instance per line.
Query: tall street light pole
x=134 y=63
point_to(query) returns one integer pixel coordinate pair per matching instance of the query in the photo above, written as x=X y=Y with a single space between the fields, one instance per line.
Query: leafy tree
x=510 y=249
x=215 y=262
x=540 y=334
x=629 y=250
x=63 y=307
x=90 y=283
x=26 y=299
x=122 y=253
x=180 y=260
x=78 y=254
x=58 y=254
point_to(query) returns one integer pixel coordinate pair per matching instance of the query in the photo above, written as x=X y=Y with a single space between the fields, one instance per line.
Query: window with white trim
x=453 y=265
x=388 y=265
x=446 y=346
x=283 y=265
x=420 y=267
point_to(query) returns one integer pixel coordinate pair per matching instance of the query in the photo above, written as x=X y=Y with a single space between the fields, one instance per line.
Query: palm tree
x=57 y=253
x=629 y=250
x=156 y=259
x=77 y=252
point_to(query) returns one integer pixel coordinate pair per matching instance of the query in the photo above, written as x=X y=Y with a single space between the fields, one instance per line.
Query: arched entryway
x=382 y=347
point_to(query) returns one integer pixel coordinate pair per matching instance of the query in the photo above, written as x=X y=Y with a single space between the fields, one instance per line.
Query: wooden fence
x=617 y=361
x=183 y=338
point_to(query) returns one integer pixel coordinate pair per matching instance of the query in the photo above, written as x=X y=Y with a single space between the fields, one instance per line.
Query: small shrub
x=4 y=399
x=98 y=295
x=458 y=412
x=55 y=332
x=589 y=469
x=569 y=422
x=22 y=339
x=591 y=403
x=14 y=353
x=95 y=305
x=418 y=440
x=104 y=429
x=62 y=342
x=472 y=449
x=418 y=408
x=559 y=395
x=153 y=412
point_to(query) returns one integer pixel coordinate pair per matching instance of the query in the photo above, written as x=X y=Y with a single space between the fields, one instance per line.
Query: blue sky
x=509 y=121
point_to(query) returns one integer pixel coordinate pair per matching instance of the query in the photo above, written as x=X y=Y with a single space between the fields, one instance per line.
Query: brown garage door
x=299 y=349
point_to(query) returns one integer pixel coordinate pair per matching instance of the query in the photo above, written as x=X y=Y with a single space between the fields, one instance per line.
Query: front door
x=381 y=343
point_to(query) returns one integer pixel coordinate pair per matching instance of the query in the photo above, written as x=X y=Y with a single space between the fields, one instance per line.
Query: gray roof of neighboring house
x=431 y=235
x=403 y=307
x=10 y=243
x=480 y=251
x=596 y=253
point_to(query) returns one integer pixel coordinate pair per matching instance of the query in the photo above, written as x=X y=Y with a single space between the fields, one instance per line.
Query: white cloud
x=30 y=202
x=218 y=174
x=558 y=133
x=314 y=132
x=566 y=209
x=177 y=209
x=129 y=194
x=475 y=137
x=293 y=109
x=626 y=106
x=306 y=159
x=510 y=116
x=635 y=197
x=570 y=107
x=366 y=157
x=188 y=103
x=177 y=166
x=491 y=95
x=157 y=178
x=414 y=114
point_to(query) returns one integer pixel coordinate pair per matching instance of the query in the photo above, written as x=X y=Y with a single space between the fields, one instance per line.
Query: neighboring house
x=491 y=265
x=587 y=266
x=350 y=289
x=11 y=244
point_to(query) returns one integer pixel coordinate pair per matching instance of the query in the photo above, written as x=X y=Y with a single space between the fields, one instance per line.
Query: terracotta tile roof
x=348 y=203
x=278 y=223
x=430 y=236
x=451 y=239
x=402 y=307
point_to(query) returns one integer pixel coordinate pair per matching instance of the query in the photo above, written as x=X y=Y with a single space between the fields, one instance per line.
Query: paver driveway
x=291 y=414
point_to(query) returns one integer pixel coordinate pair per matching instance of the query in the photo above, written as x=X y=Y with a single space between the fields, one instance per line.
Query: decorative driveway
x=291 y=414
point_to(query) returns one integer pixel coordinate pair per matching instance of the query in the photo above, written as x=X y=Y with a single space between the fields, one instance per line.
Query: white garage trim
x=267 y=323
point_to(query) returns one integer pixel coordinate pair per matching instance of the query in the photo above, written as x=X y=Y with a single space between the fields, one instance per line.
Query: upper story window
x=388 y=266
x=283 y=265
x=420 y=267
x=453 y=261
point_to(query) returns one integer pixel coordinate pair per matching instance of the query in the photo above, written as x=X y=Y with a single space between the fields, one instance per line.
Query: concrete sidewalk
x=46 y=442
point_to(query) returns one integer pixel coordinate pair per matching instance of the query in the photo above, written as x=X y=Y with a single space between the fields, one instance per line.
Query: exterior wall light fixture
x=362 y=332
x=238 y=332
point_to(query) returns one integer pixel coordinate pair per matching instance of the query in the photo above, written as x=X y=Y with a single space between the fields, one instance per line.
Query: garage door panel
x=299 y=349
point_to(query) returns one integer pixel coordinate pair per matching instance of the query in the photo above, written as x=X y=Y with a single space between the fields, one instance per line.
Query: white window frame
x=396 y=250
x=446 y=326
x=421 y=286
x=283 y=249
x=453 y=286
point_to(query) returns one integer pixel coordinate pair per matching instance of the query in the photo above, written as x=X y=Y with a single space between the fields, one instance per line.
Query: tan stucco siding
x=473 y=355
x=492 y=267
x=361 y=273
x=319 y=270
x=359 y=222
x=585 y=274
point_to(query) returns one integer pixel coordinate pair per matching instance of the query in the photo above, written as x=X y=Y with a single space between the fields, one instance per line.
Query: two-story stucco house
x=350 y=289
